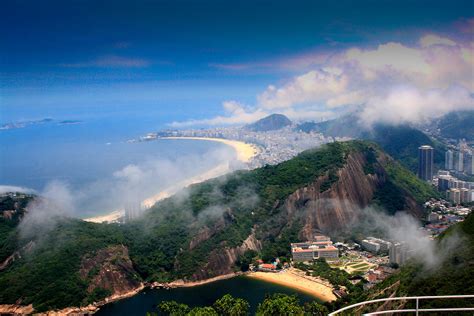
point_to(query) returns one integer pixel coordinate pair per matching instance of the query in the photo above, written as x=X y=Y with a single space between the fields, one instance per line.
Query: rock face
x=110 y=269
x=317 y=207
x=222 y=261
x=337 y=208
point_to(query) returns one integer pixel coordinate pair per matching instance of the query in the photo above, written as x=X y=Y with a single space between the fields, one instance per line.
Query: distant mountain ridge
x=269 y=123
x=457 y=125
x=400 y=141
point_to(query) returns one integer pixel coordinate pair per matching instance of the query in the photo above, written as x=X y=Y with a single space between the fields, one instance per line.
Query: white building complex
x=375 y=245
x=320 y=247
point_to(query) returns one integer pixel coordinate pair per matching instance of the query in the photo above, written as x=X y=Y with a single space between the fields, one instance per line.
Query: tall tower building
x=459 y=161
x=469 y=163
x=425 y=162
x=449 y=160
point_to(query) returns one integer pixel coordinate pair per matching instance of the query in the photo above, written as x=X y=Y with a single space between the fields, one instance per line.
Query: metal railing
x=415 y=310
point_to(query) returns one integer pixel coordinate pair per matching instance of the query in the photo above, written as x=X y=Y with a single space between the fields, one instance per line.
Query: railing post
x=417 y=306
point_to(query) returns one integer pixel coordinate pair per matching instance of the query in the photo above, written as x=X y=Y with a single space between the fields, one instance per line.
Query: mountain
x=400 y=141
x=269 y=123
x=211 y=229
x=457 y=125
x=344 y=126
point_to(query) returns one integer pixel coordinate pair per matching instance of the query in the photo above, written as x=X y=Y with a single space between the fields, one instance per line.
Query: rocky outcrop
x=110 y=269
x=16 y=309
x=335 y=209
x=222 y=261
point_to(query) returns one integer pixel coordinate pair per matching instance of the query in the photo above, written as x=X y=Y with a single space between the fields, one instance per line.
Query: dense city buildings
x=425 y=162
x=275 y=146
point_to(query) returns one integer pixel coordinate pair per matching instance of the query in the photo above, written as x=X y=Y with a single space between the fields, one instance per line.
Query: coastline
x=181 y=283
x=245 y=152
x=292 y=279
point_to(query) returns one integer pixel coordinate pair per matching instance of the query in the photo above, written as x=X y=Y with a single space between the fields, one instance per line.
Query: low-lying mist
x=403 y=227
x=126 y=187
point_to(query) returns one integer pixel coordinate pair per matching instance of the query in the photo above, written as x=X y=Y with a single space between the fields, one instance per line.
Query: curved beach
x=245 y=152
x=293 y=279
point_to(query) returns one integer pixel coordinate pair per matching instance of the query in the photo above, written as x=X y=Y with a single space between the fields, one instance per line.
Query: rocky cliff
x=111 y=271
x=317 y=207
x=337 y=208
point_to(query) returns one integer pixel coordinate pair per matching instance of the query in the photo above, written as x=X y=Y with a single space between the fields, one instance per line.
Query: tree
x=202 y=311
x=280 y=304
x=315 y=309
x=173 y=308
x=230 y=306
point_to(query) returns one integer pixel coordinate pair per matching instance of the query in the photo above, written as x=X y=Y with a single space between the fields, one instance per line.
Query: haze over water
x=92 y=157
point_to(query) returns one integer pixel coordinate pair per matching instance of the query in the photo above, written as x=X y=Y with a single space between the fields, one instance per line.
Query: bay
x=253 y=291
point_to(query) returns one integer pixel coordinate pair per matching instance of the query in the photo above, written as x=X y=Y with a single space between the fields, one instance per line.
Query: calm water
x=253 y=291
x=99 y=169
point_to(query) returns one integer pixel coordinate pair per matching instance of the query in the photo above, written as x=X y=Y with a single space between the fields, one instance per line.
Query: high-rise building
x=425 y=162
x=449 y=160
x=398 y=253
x=454 y=195
x=459 y=161
x=464 y=195
x=469 y=163
x=443 y=183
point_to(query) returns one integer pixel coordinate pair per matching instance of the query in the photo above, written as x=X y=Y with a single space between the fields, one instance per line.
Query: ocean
x=94 y=162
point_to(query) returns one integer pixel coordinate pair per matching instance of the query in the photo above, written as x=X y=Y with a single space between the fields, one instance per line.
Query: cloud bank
x=392 y=83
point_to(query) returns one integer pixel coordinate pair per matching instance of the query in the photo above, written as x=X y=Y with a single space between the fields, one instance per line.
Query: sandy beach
x=297 y=280
x=245 y=152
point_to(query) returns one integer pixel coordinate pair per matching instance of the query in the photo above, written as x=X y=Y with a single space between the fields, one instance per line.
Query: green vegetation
x=458 y=125
x=335 y=276
x=272 y=305
x=402 y=142
x=179 y=236
x=401 y=182
x=453 y=276
x=8 y=233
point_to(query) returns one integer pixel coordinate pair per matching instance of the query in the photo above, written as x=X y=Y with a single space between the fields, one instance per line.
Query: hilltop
x=269 y=123
x=212 y=228
x=400 y=141
x=457 y=125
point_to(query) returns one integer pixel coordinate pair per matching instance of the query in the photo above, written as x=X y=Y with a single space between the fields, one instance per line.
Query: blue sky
x=185 y=59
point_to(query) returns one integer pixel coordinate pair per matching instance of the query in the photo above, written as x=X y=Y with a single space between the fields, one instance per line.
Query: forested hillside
x=210 y=228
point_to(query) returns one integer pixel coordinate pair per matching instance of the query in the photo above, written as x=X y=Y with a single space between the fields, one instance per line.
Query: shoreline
x=181 y=283
x=245 y=152
x=288 y=278
x=291 y=279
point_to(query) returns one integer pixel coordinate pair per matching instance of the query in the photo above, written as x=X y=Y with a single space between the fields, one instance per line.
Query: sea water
x=96 y=163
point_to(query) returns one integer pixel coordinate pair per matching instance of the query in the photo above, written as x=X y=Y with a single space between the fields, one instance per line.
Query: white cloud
x=408 y=104
x=236 y=113
x=432 y=39
x=314 y=86
x=11 y=188
x=389 y=57
x=392 y=82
